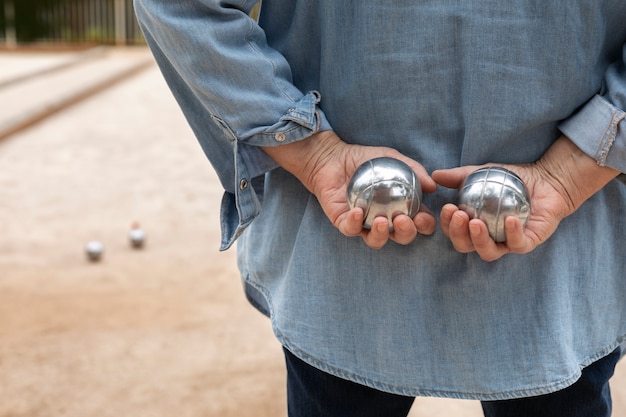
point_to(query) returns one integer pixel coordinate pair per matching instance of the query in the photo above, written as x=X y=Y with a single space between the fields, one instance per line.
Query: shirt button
x=243 y=184
x=280 y=137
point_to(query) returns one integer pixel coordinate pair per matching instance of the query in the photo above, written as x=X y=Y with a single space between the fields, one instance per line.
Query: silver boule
x=94 y=250
x=384 y=187
x=492 y=194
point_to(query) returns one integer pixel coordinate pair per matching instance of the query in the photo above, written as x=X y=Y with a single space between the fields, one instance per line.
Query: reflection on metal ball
x=492 y=194
x=384 y=187
x=94 y=250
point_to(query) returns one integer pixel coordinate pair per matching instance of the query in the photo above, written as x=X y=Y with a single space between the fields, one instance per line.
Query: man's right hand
x=324 y=164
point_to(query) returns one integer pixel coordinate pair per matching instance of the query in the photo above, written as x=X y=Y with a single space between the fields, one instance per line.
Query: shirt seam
x=608 y=137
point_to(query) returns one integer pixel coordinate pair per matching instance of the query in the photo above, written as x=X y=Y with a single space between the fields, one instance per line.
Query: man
x=286 y=110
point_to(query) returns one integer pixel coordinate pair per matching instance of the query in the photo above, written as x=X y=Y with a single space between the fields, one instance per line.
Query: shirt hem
x=265 y=307
x=452 y=394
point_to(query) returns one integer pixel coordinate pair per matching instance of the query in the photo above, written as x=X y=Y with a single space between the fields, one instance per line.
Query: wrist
x=303 y=158
x=576 y=175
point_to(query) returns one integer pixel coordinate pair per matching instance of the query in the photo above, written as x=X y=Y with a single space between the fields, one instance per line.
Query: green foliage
x=67 y=21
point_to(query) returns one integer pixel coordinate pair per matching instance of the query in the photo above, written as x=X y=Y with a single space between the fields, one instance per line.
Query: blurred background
x=110 y=22
x=93 y=148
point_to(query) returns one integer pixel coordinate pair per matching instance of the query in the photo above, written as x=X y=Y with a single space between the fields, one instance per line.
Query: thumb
x=426 y=182
x=453 y=177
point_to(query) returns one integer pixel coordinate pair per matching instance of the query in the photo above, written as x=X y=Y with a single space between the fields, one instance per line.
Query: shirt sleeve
x=599 y=127
x=235 y=91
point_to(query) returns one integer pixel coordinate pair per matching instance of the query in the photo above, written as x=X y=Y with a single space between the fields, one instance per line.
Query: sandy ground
x=162 y=331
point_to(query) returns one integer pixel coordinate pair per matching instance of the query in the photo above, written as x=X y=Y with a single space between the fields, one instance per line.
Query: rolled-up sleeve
x=235 y=91
x=598 y=128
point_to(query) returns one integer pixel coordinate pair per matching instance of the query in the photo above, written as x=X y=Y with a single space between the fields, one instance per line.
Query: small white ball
x=94 y=250
x=136 y=236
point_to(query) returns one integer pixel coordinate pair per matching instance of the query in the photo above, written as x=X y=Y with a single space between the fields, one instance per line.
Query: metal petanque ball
x=492 y=194
x=94 y=250
x=384 y=187
x=136 y=236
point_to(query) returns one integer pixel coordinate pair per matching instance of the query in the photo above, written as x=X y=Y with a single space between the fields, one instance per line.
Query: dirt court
x=159 y=332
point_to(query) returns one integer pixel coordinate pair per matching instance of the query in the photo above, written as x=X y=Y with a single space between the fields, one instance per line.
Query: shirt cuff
x=599 y=130
x=241 y=207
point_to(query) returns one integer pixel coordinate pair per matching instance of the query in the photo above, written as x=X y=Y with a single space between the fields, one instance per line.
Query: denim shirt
x=447 y=84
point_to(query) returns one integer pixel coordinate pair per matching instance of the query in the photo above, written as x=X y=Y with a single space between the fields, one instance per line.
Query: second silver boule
x=384 y=187
x=492 y=194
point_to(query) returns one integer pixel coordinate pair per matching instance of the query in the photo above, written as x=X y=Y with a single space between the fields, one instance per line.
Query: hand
x=548 y=208
x=558 y=184
x=325 y=164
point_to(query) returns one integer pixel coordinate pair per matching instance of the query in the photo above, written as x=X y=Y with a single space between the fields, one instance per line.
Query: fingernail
x=457 y=220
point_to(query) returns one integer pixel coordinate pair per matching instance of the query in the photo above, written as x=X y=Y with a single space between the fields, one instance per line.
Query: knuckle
x=463 y=247
x=375 y=246
x=490 y=257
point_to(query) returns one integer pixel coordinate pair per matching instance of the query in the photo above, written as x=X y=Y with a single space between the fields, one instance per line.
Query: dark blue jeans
x=313 y=393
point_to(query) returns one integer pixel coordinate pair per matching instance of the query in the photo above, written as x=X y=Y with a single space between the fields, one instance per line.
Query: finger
x=459 y=233
x=453 y=177
x=404 y=230
x=351 y=224
x=445 y=217
x=425 y=222
x=516 y=240
x=427 y=183
x=485 y=246
x=378 y=235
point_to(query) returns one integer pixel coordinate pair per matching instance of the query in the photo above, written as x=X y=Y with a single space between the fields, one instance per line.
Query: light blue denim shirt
x=448 y=84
